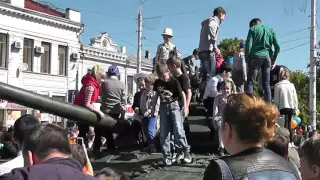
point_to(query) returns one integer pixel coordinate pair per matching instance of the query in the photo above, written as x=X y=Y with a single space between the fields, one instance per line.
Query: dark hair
x=195 y=51
x=225 y=67
x=217 y=11
x=44 y=139
x=111 y=173
x=252 y=119
x=174 y=61
x=161 y=69
x=310 y=150
x=77 y=153
x=22 y=125
x=279 y=145
x=254 y=22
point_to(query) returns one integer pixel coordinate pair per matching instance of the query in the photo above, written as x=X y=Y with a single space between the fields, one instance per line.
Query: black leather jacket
x=254 y=163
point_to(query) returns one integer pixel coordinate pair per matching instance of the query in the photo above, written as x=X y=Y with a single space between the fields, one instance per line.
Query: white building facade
x=104 y=52
x=39 y=51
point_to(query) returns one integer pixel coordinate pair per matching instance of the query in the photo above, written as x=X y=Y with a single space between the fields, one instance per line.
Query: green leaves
x=229 y=47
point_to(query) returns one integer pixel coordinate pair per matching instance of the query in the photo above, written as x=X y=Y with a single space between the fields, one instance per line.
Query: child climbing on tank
x=225 y=89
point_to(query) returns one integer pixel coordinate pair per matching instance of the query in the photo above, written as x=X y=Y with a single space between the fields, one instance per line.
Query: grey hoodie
x=209 y=34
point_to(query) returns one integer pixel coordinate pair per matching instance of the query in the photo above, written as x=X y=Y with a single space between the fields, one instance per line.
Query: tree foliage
x=228 y=47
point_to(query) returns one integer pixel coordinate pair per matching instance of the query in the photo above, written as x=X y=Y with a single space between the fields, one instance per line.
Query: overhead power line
x=174 y=14
x=293 y=32
x=294 y=40
x=295 y=47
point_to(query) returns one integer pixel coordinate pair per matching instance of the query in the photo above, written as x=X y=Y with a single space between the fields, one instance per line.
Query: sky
x=289 y=18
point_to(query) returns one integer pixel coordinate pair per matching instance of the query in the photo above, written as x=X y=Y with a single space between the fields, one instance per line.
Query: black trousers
x=288 y=113
x=83 y=130
x=108 y=135
x=208 y=104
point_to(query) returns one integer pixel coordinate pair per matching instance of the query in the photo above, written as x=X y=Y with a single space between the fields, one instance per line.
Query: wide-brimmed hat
x=167 y=32
x=138 y=76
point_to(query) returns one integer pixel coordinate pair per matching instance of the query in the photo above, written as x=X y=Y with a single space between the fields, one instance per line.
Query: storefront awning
x=12 y=106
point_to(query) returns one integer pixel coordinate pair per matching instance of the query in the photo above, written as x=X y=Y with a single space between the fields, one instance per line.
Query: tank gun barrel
x=52 y=106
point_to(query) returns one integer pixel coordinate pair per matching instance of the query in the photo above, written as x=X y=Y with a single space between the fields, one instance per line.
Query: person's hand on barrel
x=101 y=114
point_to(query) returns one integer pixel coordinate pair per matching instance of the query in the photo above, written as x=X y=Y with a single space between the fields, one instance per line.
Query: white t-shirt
x=17 y=162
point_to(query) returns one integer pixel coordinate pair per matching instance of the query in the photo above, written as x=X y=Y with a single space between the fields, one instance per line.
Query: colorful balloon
x=293 y=124
x=297 y=119
x=300 y=131
x=298 y=112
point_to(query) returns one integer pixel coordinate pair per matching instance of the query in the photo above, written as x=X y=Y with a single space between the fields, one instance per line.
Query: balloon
x=297 y=119
x=293 y=124
x=300 y=131
x=298 y=112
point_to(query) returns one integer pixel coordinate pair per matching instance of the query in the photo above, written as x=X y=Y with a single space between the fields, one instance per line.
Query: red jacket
x=219 y=60
x=86 y=81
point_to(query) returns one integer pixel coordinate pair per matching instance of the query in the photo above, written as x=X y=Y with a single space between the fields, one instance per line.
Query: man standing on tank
x=208 y=45
x=259 y=55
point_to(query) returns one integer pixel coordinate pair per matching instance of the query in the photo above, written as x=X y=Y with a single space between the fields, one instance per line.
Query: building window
x=104 y=43
x=28 y=53
x=62 y=61
x=130 y=85
x=3 y=50
x=45 y=58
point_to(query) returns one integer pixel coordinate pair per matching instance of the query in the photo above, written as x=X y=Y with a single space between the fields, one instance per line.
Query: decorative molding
x=39 y=17
x=104 y=41
x=125 y=64
x=104 y=54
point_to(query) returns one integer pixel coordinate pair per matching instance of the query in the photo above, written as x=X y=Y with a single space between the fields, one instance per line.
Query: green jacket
x=260 y=40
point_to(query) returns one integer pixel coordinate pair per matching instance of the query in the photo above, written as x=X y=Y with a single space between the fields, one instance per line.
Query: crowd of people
x=252 y=145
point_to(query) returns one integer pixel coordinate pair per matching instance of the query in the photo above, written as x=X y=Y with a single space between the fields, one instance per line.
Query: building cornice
x=115 y=62
x=103 y=54
x=39 y=17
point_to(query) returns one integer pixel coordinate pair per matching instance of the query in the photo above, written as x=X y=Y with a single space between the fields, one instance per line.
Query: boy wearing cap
x=239 y=69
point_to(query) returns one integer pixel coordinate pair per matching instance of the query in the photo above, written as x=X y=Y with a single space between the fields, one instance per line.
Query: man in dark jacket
x=46 y=152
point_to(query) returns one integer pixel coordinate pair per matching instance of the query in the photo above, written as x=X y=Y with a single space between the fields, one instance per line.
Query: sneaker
x=187 y=158
x=179 y=157
x=221 y=152
x=167 y=162
x=174 y=158
x=153 y=149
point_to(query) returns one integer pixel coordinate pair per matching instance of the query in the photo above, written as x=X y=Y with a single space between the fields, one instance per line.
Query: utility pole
x=139 y=40
x=313 y=68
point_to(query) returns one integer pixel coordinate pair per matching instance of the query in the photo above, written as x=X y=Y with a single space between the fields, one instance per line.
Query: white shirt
x=17 y=162
x=285 y=95
x=211 y=88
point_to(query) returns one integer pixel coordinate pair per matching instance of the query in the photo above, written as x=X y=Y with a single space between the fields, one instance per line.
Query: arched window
x=104 y=43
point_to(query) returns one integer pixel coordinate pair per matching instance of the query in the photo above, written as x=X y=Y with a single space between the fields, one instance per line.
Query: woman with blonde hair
x=247 y=124
x=286 y=99
x=89 y=93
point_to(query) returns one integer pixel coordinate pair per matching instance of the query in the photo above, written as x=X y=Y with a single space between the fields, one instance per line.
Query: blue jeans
x=171 y=121
x=149 y=127
x=208 y=69
x=255 y=64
